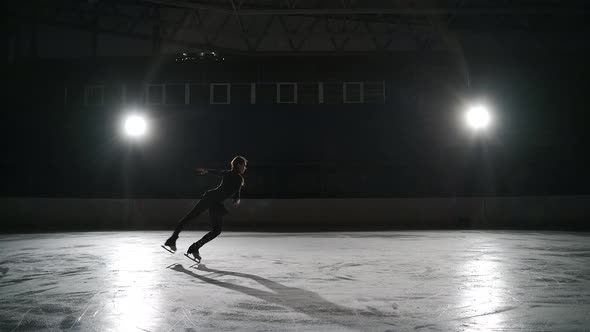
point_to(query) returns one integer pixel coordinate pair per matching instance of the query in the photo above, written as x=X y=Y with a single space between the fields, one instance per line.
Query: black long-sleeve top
x=231 y=185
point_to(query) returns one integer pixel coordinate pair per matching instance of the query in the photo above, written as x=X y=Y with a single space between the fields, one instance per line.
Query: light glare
x=478 y=117
x=135 y=126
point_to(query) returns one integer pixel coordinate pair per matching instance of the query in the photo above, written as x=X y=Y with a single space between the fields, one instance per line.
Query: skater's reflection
x=302 y=300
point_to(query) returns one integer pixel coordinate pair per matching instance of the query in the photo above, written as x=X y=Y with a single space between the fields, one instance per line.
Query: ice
x=396 y=281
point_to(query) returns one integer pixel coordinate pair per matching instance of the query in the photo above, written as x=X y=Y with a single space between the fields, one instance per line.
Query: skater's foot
x=171 y=243
x=193 y=251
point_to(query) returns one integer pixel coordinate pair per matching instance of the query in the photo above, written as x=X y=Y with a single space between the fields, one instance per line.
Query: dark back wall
x=413 y=145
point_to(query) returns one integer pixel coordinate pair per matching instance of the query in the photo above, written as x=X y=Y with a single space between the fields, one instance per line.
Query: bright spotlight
x=478 y=117
x=135 y=126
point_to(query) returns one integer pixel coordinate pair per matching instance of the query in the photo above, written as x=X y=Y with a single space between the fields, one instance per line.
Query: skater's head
x=238 y=164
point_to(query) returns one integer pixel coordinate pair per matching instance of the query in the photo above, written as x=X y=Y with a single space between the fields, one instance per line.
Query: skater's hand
x=201 y=171
x=236 y=203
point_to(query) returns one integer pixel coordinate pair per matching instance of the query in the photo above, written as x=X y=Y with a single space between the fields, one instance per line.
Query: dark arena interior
x=342 y=165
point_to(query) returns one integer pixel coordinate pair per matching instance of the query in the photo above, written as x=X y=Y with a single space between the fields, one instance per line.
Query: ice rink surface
x=386 y=281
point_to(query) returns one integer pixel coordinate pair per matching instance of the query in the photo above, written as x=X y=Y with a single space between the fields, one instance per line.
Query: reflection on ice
x=481 y=293
x=135 y=302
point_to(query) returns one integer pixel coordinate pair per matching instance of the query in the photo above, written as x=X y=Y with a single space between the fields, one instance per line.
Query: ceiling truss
x=304 y=26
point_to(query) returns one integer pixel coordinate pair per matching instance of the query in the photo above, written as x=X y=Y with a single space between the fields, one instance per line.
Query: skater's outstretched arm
x=203 y=171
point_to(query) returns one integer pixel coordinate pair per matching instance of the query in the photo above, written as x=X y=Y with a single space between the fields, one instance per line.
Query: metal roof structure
x=292 y=27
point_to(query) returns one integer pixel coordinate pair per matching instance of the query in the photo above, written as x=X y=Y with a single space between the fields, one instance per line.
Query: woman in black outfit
x=231 y=185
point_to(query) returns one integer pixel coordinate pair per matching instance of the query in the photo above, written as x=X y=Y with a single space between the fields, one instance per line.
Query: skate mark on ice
x=349 y=278
x=262 y=307
x=15 y=282
x=493 y=312
x=331 y=278
x=54 y=307
x=21 y=320
x=67 y=322
x=337 y=266
x=89 y=302
x=75 y=271
x=84 y=246
x=187 y=316
x=298 y=299
x=425 y=326
x=37 y=291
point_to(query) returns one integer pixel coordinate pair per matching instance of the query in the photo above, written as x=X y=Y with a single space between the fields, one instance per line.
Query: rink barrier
x=548 y=212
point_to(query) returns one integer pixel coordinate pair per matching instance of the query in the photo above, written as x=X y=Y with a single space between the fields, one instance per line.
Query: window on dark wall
x=235 y=93
x=220 y=93
x=308 y=93
x=266 y=93
x=332 y=92
x=175 y=94
x=286 y=93
x=352 y=92
x=94 y=95
x=199 y=94
x=156 y=94
x=134 y=94
x=374 y=92
x=113 y=94
x=241 y=93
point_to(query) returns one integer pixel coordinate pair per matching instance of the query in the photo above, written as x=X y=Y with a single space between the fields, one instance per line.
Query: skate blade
x=192 y=259
x=168 y=249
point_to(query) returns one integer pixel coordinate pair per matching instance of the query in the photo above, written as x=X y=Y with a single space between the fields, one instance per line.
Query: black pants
x=216 y=212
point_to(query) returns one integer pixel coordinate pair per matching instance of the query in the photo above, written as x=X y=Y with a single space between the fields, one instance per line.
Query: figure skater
x=231 y=185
